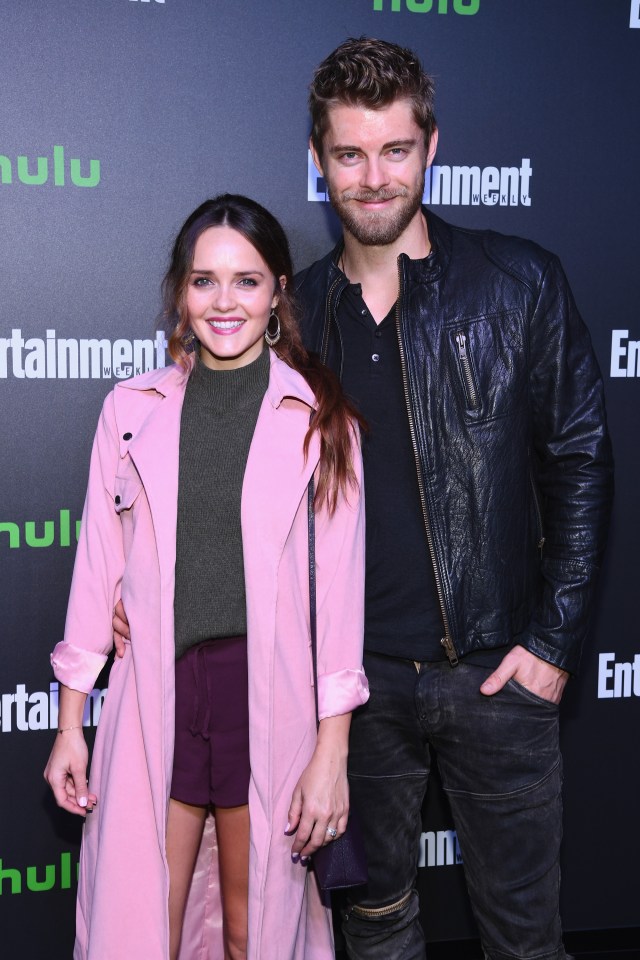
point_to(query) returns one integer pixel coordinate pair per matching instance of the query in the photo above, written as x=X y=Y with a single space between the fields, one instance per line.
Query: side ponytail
x=336 y=420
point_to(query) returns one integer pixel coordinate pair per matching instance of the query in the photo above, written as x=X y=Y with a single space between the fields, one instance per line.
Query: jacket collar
x=433 y=267
x=425 y=271
x=284 y=382
x=164 y=380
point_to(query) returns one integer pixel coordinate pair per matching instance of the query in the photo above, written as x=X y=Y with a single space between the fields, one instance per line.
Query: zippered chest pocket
x=488 y=365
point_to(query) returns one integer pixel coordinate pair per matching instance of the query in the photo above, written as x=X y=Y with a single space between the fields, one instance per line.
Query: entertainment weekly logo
x=439 y=848
x=625 y=354
x=66 y=358
x=618 y=679
x=463 y=186
x=23 y=711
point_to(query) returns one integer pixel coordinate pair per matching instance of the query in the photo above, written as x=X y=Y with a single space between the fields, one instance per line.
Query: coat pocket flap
x=125 y=492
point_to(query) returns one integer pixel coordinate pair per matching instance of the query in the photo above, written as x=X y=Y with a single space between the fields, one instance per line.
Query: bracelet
x=63 y=729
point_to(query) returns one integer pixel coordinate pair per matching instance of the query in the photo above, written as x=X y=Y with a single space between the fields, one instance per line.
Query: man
x=488 y=480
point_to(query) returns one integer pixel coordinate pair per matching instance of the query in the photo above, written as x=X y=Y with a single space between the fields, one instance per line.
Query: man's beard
x=377 y=228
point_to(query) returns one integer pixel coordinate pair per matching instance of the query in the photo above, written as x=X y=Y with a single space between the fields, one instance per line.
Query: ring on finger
x=333 y=833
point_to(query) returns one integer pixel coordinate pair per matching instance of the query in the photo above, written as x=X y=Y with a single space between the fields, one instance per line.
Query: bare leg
x=185 y=824
x=232 y=828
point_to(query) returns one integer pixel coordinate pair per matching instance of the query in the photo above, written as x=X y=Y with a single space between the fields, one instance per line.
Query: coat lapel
x=276 y=476
x=151 y=415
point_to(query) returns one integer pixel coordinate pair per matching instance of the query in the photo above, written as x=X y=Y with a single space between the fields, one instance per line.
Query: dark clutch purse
x=343 y=862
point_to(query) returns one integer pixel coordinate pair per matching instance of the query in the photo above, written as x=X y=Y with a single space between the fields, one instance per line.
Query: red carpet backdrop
x=117 y=117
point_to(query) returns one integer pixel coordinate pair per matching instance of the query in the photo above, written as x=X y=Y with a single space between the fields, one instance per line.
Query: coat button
x=127 y=436
x=117 y=500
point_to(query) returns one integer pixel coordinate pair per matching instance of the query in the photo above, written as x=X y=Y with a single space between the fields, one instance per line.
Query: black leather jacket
x=506 y=410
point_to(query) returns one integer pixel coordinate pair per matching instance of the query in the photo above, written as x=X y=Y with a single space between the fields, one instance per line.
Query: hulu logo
x=55 y=876
x=464 y=7
x=36 y=172
x=50 y=533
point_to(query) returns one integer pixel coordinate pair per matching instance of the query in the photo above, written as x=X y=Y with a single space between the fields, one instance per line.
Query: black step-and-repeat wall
x=117 y=117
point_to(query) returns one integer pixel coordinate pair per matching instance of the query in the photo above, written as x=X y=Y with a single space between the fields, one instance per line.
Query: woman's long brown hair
x=335 y=418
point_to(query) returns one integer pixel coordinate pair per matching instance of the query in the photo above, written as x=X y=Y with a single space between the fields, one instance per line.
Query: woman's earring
x=188 y=339
x=272 y=338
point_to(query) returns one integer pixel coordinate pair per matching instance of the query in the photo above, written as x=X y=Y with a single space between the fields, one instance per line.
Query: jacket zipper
x=467 y=372
x=324 y=349
x=536 y=502
x=446 y=641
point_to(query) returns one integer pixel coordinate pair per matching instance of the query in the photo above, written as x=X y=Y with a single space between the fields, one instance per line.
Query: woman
x=196 y=517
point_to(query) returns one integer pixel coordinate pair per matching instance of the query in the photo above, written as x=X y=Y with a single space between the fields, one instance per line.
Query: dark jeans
x=500 y=766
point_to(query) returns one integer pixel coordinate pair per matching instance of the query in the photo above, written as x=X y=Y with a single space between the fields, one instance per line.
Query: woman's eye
x=201 y=281
x=248 y=282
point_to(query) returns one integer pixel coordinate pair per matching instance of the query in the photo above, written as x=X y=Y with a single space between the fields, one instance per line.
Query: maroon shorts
x=211 y=758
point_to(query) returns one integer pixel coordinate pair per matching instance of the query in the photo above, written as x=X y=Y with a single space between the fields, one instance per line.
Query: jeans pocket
x=530 y=695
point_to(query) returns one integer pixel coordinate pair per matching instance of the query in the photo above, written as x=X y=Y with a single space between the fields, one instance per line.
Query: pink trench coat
x=128 y=547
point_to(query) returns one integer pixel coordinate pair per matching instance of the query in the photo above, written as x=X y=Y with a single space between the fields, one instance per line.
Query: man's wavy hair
x=370 y=73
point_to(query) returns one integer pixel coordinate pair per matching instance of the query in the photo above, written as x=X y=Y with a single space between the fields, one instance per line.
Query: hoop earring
x=272 y=338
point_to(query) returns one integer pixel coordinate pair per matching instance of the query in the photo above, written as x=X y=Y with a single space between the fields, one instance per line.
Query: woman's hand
x=320 y=801
x=66 y=769
x=66 y=773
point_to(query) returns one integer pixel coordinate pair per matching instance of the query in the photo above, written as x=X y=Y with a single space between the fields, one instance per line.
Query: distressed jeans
x=500 y=766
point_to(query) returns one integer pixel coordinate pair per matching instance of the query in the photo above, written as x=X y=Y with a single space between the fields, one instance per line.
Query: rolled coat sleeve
x=340 y=567
x=78 y=659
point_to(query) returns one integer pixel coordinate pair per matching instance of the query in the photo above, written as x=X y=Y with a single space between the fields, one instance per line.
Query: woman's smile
x=225 y=327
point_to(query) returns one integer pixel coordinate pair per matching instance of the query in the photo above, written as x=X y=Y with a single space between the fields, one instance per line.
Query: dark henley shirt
x=402 y=611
